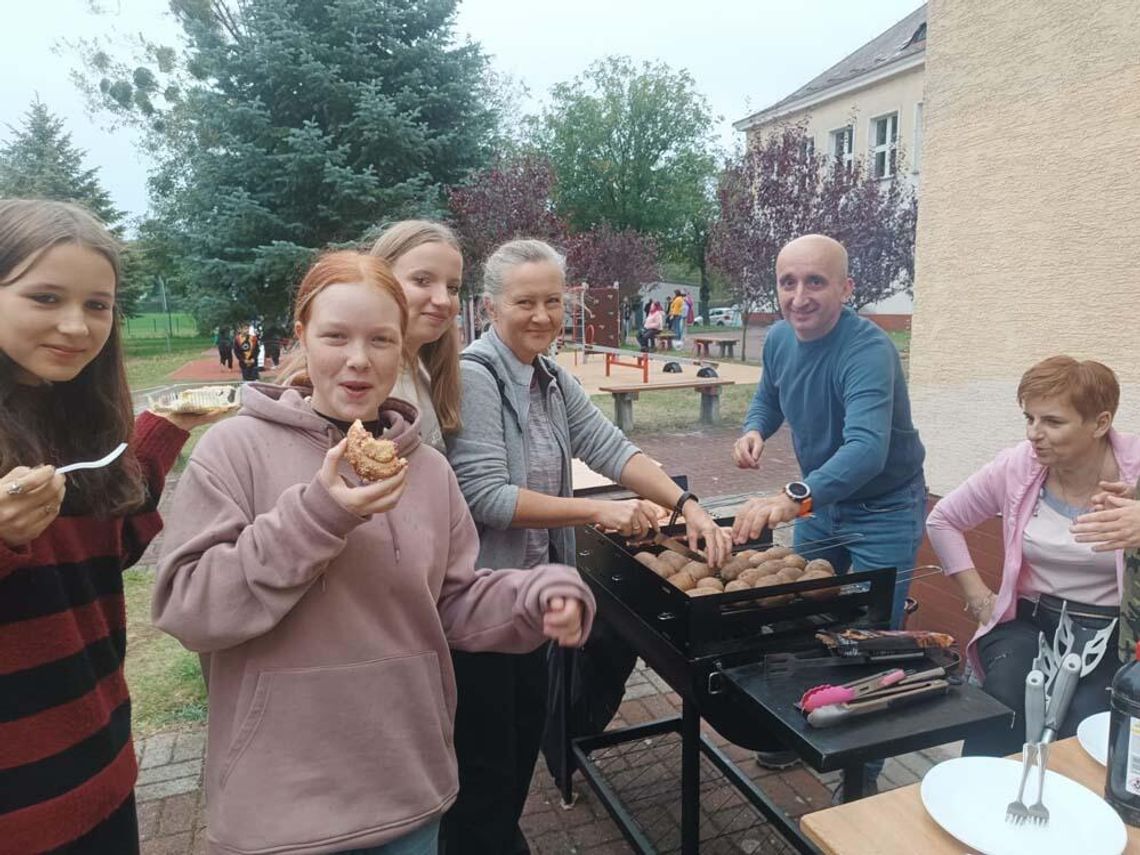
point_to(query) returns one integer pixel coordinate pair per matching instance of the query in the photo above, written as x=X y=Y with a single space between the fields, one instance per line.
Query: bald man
x=837 y=380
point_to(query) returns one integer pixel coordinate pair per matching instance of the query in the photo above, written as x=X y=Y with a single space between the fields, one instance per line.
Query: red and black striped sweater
x=66 y=758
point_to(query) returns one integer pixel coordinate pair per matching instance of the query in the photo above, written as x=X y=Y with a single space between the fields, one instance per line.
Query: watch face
x=798 y=490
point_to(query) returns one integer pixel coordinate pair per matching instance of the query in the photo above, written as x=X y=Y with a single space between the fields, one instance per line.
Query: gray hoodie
x=331 y=689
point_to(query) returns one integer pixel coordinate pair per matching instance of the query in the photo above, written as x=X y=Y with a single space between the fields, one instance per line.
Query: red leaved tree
x=779 y=189
x=510 y=199
x=603 y=256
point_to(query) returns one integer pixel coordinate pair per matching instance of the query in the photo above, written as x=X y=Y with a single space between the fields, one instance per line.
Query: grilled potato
x=697 y=570
x=779 y=552
x=646 y=558
x=711 y=582
x=682 y=580
x=823 y=593
x=733 y=568
x=797 y=561
x=820 y=564
x=701 y=592
x=771 y=568
x=738 y=585
x=788 y=575
x=771 y=582
x=676 y=560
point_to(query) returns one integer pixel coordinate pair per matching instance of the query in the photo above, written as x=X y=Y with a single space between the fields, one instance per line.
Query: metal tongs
x=827 y=706
x=1042 y=721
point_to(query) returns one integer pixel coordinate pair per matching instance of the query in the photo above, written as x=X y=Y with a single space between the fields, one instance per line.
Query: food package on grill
x=203 y=400
x=865 y=642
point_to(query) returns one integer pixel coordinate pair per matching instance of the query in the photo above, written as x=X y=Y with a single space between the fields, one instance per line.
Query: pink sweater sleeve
x=976 y=500
x=499 y=610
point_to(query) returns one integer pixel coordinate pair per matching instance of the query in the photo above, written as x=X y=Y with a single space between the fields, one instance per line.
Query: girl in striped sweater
x=67 y=766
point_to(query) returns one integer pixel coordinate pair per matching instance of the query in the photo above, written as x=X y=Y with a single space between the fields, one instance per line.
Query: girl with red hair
x=325 y=607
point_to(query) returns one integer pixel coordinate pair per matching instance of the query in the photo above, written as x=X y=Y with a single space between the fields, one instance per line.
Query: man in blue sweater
x=837 y=380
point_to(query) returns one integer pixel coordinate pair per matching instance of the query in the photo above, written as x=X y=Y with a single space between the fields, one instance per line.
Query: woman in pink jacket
x=325 y=608
x=1039 y=487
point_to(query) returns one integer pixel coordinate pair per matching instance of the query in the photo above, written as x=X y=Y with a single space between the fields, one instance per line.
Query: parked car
x=726 y=316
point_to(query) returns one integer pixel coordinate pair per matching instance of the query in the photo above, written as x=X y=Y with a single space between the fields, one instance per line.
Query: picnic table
x=896 y=823
x=725 y=344
x=708 y=387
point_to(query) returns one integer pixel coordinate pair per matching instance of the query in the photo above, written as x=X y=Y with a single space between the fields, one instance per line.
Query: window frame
x=847 y=157
x=890 y=148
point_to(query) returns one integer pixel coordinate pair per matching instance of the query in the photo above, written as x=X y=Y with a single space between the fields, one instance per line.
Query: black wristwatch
x=677 y=508
x=800 y=493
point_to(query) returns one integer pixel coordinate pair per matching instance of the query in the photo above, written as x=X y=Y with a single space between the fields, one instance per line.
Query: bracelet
x=684 y=497
x=976 y=609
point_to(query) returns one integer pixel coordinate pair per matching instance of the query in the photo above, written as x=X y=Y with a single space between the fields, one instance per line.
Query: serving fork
x=1041 y=726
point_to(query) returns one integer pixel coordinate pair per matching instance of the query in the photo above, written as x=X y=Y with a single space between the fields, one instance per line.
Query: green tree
x=39 y=161
x=632 y=148
x=285 y=126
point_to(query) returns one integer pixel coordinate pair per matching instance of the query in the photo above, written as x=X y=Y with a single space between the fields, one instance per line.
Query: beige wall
x=1029 y=225
x=900 y=94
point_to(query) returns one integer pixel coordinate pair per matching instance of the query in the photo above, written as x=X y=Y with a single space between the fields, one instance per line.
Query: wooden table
x=896 y=823
x=724 y=344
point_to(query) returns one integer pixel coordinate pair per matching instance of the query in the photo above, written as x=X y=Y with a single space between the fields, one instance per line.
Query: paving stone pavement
x=647 y=773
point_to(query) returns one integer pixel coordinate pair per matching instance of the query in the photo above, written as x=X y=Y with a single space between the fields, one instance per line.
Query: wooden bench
x=708 y=388
x=640 y=359
x=664 y=340
x=725 y=345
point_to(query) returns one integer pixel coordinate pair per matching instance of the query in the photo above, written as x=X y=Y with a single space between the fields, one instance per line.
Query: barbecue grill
x=690 y=642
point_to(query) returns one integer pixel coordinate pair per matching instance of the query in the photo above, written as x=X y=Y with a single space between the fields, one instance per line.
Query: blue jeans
x=423 y=841
x=885 y=531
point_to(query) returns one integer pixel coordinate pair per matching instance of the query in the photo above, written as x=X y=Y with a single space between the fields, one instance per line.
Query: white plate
x=1092 y=733
x=967 y=796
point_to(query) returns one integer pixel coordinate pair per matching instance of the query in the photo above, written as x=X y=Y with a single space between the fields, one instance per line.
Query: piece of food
x=820 y=564
x=749 y=576
x=771 y=568
x=697 y=569
x=371 y=458
x=746 y=553
x=797 y=561
x=788 y=575
x=701 y=592
x=738 y=585
x=779 y=552
x=674 y=559
x=733 y=568
x=771 y=582
x=822 y=593
x=646 y=558
x=683 y=581
x=711 y=582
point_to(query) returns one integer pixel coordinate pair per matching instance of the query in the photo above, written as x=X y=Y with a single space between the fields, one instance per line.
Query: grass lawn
x=149 y=363
x=155 y=324
x=165 y=679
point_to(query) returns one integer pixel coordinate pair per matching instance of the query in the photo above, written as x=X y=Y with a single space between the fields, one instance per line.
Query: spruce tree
x=39 y=161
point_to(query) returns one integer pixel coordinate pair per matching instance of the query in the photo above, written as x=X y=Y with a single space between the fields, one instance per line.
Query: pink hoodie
x=331 y=690
x=1008 y=485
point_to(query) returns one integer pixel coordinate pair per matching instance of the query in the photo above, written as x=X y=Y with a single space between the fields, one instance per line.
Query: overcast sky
x=743 y=54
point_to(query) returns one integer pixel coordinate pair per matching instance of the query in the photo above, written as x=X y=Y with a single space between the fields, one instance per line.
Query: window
x=885 y=144
x=843 y=145
x=916 y=155
x=809 y=148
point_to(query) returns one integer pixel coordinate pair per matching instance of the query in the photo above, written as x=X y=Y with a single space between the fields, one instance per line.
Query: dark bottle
x=1122 y=784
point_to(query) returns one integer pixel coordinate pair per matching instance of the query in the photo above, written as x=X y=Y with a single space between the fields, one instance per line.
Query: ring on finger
x=14 y=488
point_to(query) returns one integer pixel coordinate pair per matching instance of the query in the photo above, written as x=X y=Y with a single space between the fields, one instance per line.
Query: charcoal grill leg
x=853 y=782
x=565 y=781
x=690 y=778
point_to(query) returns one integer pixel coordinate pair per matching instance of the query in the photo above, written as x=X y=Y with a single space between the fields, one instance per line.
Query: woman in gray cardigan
x=523 y=419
